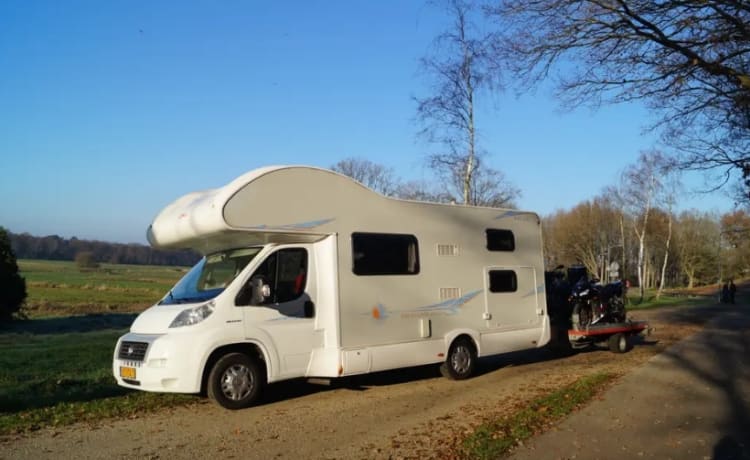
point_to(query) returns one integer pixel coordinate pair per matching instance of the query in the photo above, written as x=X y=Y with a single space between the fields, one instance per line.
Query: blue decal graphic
x=298 y=226
x=539 y=289
x=450 y=307
x=507 y=214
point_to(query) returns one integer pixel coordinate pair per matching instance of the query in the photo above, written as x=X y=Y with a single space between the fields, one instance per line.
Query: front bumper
x=166 y=365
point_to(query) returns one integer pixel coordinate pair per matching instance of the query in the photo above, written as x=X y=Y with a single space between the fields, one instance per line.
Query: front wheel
x=235 y=381
x=461 y=360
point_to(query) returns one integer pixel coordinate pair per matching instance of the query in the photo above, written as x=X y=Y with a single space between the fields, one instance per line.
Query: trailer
x=617 y=335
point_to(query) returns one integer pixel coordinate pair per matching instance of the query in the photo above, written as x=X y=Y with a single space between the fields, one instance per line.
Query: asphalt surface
x=690 y=402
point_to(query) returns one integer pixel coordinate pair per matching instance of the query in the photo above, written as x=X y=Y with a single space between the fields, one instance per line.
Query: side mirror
x=261 y=291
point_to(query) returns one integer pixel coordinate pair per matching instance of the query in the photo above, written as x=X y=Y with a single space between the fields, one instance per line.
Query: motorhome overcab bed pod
x=308 y=273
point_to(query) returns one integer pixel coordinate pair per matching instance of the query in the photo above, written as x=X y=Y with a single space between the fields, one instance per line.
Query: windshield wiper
x=169 y=296
x=188 y=299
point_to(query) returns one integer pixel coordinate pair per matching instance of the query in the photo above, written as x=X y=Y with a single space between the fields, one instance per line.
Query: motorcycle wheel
x=618 y=310
x=581 y=316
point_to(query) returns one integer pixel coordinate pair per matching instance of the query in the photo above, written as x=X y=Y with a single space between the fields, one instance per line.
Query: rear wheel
x=235 y=381
x=581 y=316
x=461 y=360
x=618 y=343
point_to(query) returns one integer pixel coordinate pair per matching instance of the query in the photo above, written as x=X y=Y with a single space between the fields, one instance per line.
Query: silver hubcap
x=236 y=382
x=622 y=343
x=461 y=359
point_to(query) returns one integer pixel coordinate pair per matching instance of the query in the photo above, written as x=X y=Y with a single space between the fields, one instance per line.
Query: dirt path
x=410 y=413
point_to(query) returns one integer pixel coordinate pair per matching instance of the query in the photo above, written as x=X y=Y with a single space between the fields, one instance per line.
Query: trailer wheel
x=235 y=381
x=618 y=343
x=461 y=360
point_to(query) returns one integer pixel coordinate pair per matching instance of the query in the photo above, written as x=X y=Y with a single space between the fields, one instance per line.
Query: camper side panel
x=456 y=285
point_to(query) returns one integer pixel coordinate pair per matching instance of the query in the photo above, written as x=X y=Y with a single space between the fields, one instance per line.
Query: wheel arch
x=251 y=349
x=471 y=335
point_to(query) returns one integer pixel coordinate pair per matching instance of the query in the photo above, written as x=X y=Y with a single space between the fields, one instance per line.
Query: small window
x=384 y=254
x=503 y=281
x=500 y=240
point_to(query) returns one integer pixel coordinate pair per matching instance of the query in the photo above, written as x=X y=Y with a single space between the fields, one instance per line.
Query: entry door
x=287 y=314
x=513 y=298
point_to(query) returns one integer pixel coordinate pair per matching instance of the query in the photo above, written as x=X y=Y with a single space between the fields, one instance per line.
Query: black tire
x=461 y=360
x=581 y=316
x=619 y=343
x=235 y=381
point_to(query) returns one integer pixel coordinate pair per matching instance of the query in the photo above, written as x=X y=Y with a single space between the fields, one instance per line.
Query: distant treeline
x=54 y=247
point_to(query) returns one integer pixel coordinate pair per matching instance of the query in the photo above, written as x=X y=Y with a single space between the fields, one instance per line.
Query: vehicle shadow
x=297 y=388
x=70 y=324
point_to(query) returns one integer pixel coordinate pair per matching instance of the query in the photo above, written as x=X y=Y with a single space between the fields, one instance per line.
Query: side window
x=285 y=273
x=503 y=281
x=384 y=254
x=500 y=240
x=291 y=274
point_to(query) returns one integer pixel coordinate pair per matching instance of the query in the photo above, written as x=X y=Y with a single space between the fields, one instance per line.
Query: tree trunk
x=666 y=257
x=623 y=267
x=470 y=126
x=641 y=265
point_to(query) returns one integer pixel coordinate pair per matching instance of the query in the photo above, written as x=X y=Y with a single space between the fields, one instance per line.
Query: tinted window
x=285 y=272
x=384 y=254
x=500 y=240
x=503 y=281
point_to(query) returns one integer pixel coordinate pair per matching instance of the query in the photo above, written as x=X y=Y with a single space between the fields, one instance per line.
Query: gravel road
x=412 y=413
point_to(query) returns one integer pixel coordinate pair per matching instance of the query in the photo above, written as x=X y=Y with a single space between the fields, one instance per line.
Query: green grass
x=41 y=370
x=60 y=287
x=55 y=368
x=52 y=378
x=495 y=438
x=666 y=300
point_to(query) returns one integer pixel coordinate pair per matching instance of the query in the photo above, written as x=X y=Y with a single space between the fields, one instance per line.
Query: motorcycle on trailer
x=594 y=303
x=583 y=312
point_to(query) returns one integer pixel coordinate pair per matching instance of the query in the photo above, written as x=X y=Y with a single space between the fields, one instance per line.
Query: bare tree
x=584 y=235
x=461 y=67
x=688 y=60
x=697 y=246
x=375 y=176
x=382 y=179
x=735 y=227
x=420 y=191
x=641 y=189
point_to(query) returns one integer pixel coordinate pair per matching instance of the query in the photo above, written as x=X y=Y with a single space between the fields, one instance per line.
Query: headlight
x=193 y=315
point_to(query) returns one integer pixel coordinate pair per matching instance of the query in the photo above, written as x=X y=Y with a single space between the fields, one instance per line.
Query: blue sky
x=111 y=110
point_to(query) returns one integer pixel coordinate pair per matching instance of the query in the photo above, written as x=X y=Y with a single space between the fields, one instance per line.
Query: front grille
x=132 y=351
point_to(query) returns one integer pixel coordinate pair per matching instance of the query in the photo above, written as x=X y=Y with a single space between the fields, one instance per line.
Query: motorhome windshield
x=210 y=276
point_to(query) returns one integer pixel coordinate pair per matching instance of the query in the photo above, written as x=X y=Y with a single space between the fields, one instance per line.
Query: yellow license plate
x=127 y=372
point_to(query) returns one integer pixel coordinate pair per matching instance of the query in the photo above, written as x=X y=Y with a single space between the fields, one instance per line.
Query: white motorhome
x=308 y=273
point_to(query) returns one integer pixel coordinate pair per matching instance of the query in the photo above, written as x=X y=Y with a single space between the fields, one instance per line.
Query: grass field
x=60 y=288
x=55 y=368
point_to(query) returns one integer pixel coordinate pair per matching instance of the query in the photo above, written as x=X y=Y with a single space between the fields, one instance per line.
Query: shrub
x=85 y=260
x=12 y=285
